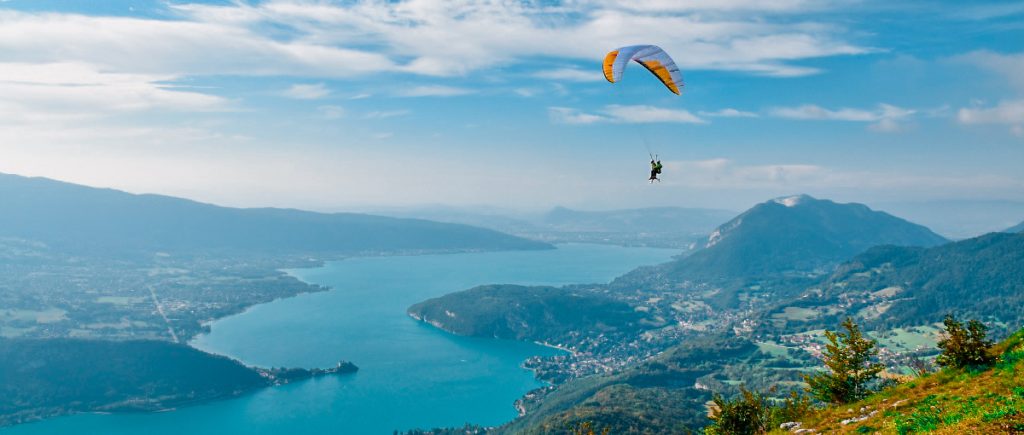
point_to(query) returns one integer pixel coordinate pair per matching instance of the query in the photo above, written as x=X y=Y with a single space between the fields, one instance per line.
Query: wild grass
x=951 y=401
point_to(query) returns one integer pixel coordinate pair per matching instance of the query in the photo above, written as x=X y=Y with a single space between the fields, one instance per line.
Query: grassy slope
x=947 y=402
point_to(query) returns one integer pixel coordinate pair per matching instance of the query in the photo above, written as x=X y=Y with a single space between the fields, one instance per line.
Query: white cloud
x=650 y=114
x=360 y=37
x=175 y=47
x=623 y=114
x=1009 y=113
x=434 y=91
x=527 y=92
x=726 y=174
x=716 y=5
x=1010 y=66
x=382 y=114
x=729 y=113
x=571 y=74
x=566 y=115
x=67 y=89
x=332 y=112
x=307 y=92
x=885 y=117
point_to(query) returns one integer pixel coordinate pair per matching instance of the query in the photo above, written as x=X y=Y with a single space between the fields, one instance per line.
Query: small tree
x=848 y=358
x=964 y=347
x=748 y=414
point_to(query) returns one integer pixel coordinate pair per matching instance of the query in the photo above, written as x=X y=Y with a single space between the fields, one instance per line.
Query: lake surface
x=411 y=374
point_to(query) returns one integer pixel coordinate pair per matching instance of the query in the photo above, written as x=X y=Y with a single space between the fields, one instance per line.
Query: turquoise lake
x=411 y=374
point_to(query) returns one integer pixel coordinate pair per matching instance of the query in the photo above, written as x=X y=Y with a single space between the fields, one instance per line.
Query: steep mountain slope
x=889 y=286
x=797 y=234
x=948 y=402
x=104 y=221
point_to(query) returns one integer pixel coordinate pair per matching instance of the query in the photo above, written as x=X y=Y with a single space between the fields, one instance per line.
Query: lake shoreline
x=448 y=379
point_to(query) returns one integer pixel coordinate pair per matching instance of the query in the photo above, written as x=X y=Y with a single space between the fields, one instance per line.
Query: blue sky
x=347 y=105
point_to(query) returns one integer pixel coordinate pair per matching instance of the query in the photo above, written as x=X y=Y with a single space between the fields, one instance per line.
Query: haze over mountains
x=672 y=227
x=653 y=336
x=104 y=222
x=1016 y=228
x=957 y=219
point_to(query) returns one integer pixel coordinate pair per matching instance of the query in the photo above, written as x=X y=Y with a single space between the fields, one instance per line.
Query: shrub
x=965 y=347
x=750 y=413
x=754 y=413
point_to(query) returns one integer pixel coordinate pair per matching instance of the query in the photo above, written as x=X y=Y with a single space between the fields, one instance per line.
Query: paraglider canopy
x=651 y=57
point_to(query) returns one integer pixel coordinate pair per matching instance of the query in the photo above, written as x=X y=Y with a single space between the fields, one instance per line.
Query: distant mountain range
x=106 y=222
x=796 y=234
x=957 y=219
x=673 y=227
x=639 y=220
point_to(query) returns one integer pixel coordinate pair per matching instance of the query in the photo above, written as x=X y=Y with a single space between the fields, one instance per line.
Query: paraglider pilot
x=655 y=170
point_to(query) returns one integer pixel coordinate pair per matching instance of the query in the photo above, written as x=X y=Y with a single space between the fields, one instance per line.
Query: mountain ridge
x=797 y=233
x=96 y=220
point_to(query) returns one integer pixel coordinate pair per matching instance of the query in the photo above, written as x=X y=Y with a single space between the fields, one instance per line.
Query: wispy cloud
x=624 y=114
x=1010 y=113
x=434 y=91
x=1010 y=66
x=307 y=91
x=330 y=39
x=566 y=115
x=727 y=174
x=70 y=87
x=570 y=74
x=650 y=114
x=332 y=112
x=885 y=117
x=719 y=5
x=382 y=114
x=728 y=113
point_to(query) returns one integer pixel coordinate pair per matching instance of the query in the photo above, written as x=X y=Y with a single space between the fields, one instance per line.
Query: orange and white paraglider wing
x=651 y=57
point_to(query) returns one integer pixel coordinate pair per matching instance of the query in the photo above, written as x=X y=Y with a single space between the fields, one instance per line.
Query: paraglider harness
x=655 y=169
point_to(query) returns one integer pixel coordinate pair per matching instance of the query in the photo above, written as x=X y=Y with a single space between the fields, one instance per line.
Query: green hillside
x=546 y=314
x=952 y=401
x=40 y=378
x=44 y=378
x=890 y=286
